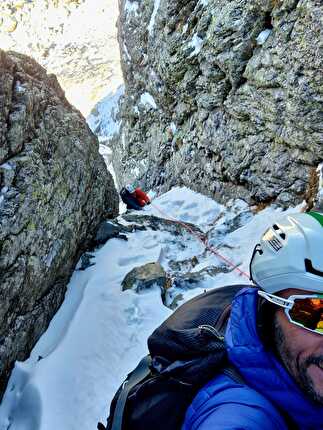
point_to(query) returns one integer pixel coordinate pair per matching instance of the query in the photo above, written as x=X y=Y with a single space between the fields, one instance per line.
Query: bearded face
x=301 y=352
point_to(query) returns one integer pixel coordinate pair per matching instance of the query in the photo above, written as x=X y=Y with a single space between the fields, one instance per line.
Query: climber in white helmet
x=274 y=338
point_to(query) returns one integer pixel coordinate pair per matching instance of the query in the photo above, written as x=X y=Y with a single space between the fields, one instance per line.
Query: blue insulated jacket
x=269 y=393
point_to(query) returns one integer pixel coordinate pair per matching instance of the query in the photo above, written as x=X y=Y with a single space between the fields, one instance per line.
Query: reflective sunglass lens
x=309 y=313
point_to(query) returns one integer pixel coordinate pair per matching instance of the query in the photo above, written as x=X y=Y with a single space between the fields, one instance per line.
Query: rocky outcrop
x=193 y=279
x=168 y=271
x=145 y=277
x=223 y=97
x=54 y=192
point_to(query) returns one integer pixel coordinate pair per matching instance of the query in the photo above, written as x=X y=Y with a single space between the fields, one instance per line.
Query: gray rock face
x=193 y=279
x=224 y=97
x=145 y=277
x=54 y=192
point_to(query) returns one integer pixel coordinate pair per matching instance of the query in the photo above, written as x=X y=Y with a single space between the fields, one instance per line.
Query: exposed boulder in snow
x=109 y=230
x=54 y=192
x=182 y=282
x=145 y=277
x=185 y=265
x=215 y=224
x=237 y=88
x=153 y=222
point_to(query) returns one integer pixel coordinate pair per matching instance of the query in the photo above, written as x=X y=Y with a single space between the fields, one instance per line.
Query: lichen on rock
x=54 y=192
x=145 y=277
x=238 y=94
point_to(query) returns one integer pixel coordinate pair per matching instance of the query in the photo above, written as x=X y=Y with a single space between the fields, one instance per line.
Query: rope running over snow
x=204 y=241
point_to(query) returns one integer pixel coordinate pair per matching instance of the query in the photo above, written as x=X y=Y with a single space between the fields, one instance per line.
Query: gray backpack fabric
x=186 y=351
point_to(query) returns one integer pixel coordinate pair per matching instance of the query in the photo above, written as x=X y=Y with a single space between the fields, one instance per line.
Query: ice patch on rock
x=263 y=36
x=126 y=51
x=135 y=171
x=320 y=172
x=6 y=166
x=3 y=191
x=197 y=44
x=19 y=88
x=153 y=17
x=148 y=100
x=173 y=127
x=131 y=7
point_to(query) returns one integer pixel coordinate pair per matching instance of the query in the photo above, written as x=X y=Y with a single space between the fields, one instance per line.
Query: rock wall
x=54 y=191
x=224 y=97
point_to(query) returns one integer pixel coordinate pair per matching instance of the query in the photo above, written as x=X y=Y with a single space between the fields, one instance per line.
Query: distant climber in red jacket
x=134 y=198
x=141 y=197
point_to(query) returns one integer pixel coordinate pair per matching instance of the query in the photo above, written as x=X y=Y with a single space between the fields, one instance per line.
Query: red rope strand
x=204 y=241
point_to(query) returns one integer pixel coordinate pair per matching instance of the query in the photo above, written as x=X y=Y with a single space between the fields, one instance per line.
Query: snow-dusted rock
x=241 y=83
x=145 y=277
x=191 y=280
x=54 y=192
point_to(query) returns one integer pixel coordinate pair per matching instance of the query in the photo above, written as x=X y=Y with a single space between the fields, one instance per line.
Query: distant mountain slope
x=74 y=39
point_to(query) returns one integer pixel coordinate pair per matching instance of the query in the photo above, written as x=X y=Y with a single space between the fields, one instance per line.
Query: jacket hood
x=261 y=369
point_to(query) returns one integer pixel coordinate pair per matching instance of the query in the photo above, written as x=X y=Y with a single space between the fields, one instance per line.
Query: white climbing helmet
x=290 y=254
x=130 y=188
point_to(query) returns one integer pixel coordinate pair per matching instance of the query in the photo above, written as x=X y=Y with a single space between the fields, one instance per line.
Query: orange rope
x=204 y=241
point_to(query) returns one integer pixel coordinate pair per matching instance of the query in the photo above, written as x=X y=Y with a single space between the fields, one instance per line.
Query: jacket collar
x=261 y=369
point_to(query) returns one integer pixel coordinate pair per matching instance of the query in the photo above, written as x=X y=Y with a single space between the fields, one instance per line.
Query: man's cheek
x=316 y=374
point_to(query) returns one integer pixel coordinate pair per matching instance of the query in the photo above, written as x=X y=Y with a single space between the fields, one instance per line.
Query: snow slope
x=104 y=124
x=102 y=119
x=99 y=333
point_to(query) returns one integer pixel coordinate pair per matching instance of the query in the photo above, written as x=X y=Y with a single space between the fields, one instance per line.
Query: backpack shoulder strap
x=233 y=373
x=136 y=376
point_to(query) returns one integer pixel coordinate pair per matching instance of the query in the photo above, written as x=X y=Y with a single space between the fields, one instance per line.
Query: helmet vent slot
x=271 y=239
x=275 y=244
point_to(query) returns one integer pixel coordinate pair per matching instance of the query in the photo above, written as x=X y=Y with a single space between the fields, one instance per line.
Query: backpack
x=186 y=351
x=129 y=200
